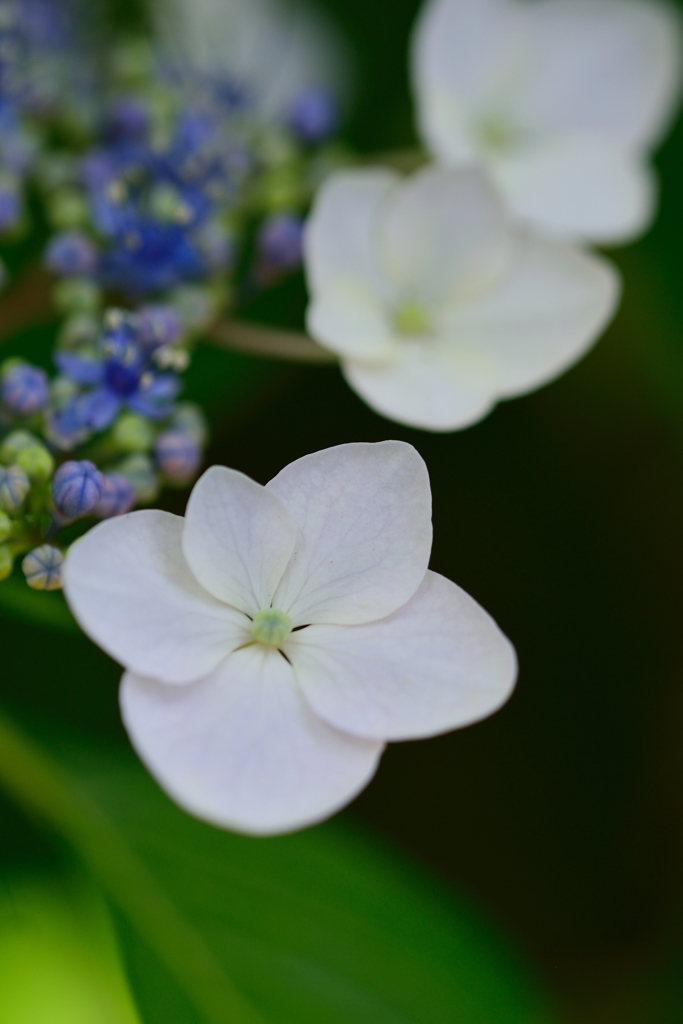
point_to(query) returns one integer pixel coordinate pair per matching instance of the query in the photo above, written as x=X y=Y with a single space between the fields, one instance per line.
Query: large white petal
x=445 y=232
x=471 y=48
x=552 y=307
x=430 y=385
x=131 y=591
x=364 y=532
x=610 y=66
x=238 y=538
x=341 y=235
x=242 y=749
x=348 y=317
x=436 y=664
x=579 y=186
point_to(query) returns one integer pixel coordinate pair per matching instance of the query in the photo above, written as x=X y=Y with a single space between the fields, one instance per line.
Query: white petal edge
x=611 y=66
x=242 y=749
x=436 y=387
x=237 y=539
x=340 y=237
x=551 y=309
x=579 y=187
x=364 y=532
x=130 y=589
x=438 y=663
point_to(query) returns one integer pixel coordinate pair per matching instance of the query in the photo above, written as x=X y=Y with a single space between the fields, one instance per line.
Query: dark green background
x=562 y=513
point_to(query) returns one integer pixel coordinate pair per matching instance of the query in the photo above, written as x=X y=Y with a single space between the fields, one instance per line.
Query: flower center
x=412 y=318
x=271 y=627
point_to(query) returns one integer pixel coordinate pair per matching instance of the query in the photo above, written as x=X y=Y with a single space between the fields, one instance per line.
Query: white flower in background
x=563 y=100
x=274 y=49
x=437 y=307
x=277 y=636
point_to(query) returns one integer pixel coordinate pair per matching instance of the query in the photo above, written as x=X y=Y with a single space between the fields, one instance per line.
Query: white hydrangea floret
x=436 y=305
x=563 y=101
x=276 y=637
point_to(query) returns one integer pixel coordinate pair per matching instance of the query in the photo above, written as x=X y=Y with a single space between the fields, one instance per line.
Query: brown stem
x=256 y=339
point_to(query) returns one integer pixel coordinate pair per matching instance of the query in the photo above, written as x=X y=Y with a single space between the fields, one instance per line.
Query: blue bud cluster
x=171 y=197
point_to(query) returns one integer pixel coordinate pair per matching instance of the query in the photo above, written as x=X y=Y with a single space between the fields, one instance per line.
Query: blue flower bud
x=178 y=456
x=43 y=568
x=71 y=252
x=280 y=240
x=10 y=207
x=313 y=115
x=159 y=325
x=14 y=486
x=117 y=498
x=76 y=488
x=24 y=389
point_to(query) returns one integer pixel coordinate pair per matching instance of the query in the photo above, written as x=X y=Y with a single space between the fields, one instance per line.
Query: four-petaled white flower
x=277 y=636
x=563 y=100
x=437 y=307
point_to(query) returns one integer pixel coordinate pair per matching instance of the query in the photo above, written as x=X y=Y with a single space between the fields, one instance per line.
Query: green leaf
x=324 y=926
x=59 y=962
x=45 y=609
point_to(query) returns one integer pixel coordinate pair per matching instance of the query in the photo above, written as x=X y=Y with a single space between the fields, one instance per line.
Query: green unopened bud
x=36 y=462
x=6 y=562
x=13 y=444
x=139 y=470
x=133 y=433
x=78 y=330
x=189 y=419
x=68 y=208
x=5 y=527
x=77 y=295
x=271 y=627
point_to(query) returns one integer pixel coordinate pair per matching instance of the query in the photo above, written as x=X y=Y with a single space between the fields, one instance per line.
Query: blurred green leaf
x=59 y=961
x=324 y=926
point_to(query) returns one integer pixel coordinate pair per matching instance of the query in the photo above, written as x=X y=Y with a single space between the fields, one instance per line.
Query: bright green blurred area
x=59 y=962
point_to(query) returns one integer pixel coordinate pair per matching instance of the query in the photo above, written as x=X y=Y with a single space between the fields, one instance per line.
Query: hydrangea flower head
x=278 y=636
x=436 y=305
x=563 y=100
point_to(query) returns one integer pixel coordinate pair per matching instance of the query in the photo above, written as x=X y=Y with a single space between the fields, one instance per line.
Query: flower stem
x=257 y=339
x=48 y=792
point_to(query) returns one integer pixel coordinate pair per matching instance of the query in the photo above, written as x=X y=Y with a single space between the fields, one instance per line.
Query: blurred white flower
x=273 y=49
x=277 y=636
x=563 y=100
x=436 y=306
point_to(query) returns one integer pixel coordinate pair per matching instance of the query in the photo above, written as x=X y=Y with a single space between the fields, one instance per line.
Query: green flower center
x=271 y=627
x=412 y=318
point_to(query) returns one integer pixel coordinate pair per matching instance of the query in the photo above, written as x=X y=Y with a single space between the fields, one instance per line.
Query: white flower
x=437 y=307
x=277 y=636
x=563 y=100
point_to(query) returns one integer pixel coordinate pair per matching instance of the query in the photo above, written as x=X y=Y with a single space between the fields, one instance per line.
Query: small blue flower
x=117 y=498
x=24 y=389
x=43 y=568
x=118 y=375
x=313 y=115
x=280 y=240
x=76 y=488
x=71 y=252
x=178 y=456
x=150 y=257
